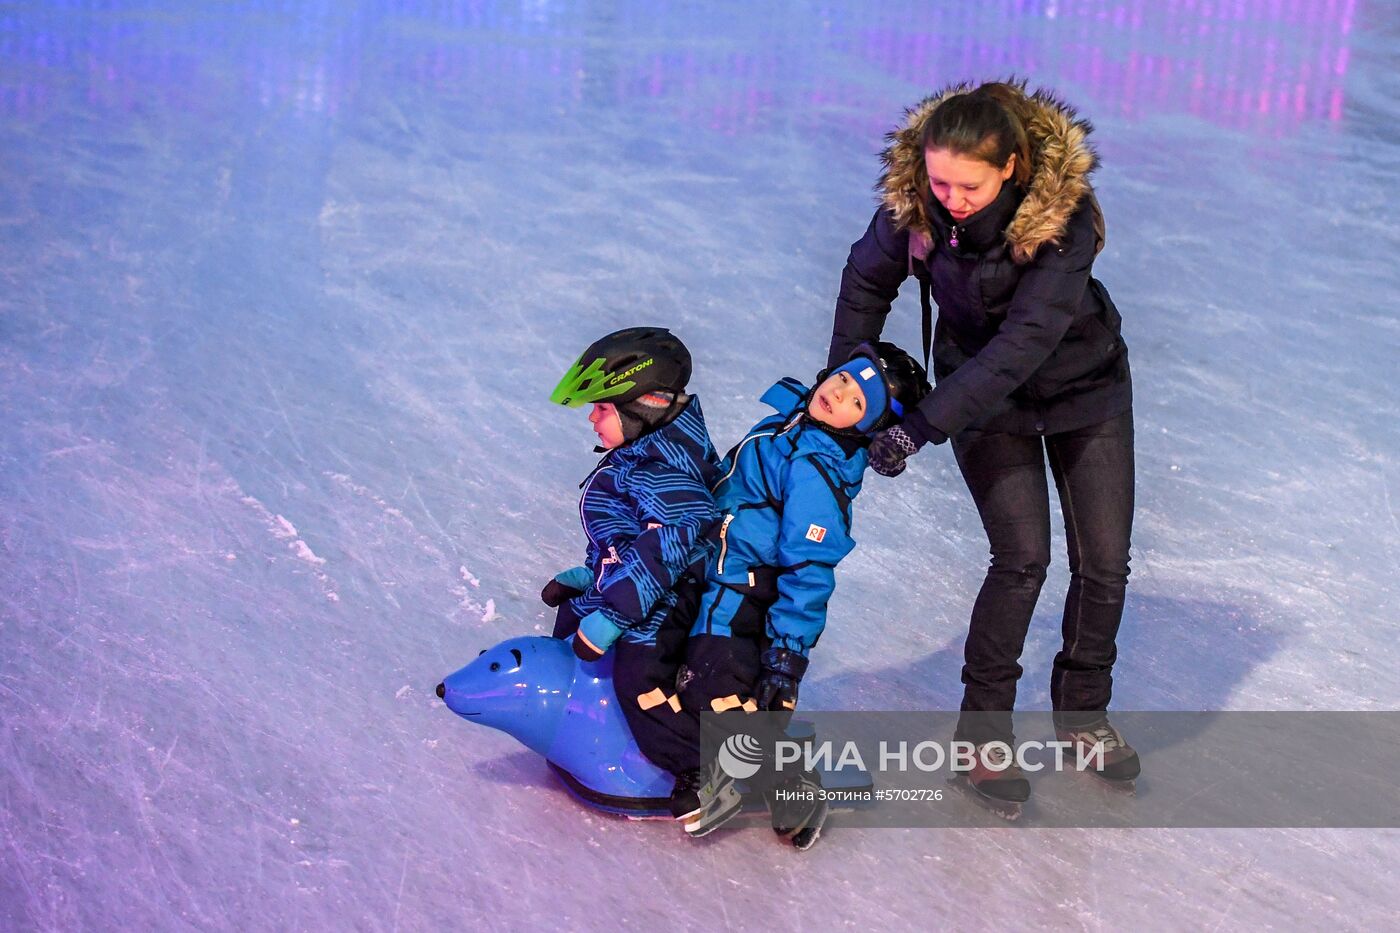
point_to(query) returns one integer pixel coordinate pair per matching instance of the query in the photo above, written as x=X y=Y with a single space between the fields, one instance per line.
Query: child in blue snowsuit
x=647 y=511
x=785 y=497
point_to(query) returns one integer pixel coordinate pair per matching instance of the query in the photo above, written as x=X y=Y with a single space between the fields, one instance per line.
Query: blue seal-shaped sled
x=535 y=690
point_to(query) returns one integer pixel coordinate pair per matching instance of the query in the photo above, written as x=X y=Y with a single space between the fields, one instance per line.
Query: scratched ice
x=283 y=288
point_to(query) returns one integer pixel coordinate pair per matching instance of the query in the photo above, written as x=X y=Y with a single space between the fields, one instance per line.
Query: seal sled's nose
x=441 y=691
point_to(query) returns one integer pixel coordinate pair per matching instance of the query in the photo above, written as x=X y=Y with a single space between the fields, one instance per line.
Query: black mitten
x=555 y=593
x=776 y=690
x=891 y=448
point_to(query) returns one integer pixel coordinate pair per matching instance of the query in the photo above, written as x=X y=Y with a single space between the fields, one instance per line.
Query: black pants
x=644 y=679
x=720 y=672
x=719 y=676
x=1093 y=471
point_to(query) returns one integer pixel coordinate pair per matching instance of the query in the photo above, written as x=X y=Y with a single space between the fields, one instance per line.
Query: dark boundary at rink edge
x=1199 y=769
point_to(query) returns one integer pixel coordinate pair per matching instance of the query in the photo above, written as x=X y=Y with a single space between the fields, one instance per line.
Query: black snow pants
x=721 y=672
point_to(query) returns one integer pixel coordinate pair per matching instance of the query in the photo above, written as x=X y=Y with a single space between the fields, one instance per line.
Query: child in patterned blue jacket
x=785 y=497
x=647 y=511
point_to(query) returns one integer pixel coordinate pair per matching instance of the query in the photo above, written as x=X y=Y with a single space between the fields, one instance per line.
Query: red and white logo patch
x=816 y=533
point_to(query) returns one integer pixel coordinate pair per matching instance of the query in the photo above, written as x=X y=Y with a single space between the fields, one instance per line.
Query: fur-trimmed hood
x=1061 y=161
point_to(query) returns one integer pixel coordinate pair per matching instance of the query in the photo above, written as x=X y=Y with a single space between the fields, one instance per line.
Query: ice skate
x=798 y=809
x=704 y=799
x=995 y=782
x=1108 y=756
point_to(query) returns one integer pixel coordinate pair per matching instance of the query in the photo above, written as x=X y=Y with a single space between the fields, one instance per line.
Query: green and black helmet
x=624 y=366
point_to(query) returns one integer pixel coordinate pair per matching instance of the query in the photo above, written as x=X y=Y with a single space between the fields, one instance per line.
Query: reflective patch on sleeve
x=816 y=533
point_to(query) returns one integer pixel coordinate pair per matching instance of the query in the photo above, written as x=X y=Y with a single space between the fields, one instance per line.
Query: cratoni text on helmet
x=634 y=370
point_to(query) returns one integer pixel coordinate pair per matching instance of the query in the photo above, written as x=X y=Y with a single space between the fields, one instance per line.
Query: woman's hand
x=891 y=448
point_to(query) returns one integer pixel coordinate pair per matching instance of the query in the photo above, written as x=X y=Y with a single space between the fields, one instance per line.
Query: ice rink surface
x=284 y=288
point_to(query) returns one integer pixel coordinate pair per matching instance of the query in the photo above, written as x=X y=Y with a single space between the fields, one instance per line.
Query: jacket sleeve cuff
x=919 y=428
x=785 y=661
x=789 y=643
x=598 y=631
x=578 y=578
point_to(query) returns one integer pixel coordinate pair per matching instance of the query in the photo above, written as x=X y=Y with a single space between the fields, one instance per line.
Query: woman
x=986 y=200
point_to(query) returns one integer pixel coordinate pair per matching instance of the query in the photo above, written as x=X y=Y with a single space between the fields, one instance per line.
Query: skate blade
x=805 y=837
x=684 y=817
x=1008 y=810
x=1124 y=786
x=724 y=790
x=725 y=806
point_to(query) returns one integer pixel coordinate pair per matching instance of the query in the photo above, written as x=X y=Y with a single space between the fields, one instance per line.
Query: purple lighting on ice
x=1261 y=65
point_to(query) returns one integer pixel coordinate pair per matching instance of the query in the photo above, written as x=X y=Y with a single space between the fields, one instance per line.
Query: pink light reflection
x=1244 y=63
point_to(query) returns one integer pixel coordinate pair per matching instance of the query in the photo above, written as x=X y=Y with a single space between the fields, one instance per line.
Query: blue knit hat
x=866 y=375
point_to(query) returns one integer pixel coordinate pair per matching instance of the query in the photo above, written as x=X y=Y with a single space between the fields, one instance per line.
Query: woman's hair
x=985 y=123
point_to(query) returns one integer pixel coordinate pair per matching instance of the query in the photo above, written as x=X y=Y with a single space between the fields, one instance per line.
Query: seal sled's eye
x=518 y=659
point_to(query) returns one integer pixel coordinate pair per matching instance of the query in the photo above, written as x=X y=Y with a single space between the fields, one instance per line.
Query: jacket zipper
x=583 y=520
x=723 y=541
x=735 y=465
x=724 y=526
x=612 y=558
